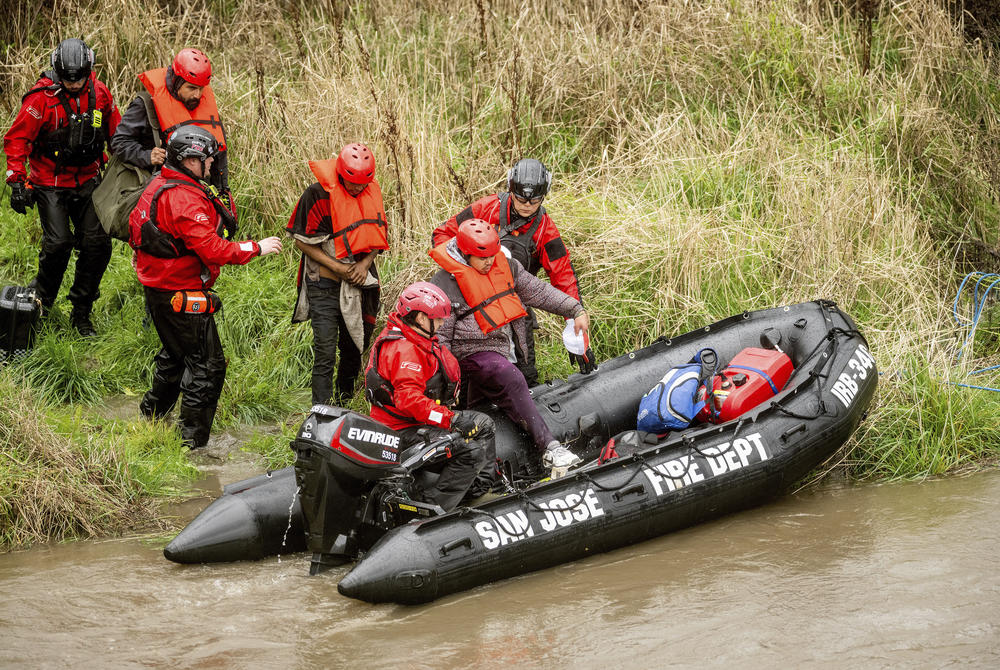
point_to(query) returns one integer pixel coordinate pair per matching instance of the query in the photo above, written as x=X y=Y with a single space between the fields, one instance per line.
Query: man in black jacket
x=180 y=95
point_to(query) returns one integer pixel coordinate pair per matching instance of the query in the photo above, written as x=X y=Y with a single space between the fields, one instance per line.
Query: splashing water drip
x=284 y=539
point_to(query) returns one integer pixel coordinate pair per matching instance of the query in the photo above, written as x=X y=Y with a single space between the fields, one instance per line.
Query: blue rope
x=979 y=296
x=978 y=303
x=970 y=386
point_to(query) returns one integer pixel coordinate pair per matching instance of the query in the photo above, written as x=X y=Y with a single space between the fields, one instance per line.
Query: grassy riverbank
x=710 y=157
x=64 y=474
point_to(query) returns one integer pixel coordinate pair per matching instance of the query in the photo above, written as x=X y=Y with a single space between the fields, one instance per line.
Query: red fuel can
x=753 y=376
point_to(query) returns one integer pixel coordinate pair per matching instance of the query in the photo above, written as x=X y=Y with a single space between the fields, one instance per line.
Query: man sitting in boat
x=411 y=380
x=490 y=292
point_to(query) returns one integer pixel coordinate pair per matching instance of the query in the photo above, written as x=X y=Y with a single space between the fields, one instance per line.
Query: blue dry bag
x=672 y=404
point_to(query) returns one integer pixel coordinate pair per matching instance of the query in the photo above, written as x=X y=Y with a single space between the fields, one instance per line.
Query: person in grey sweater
x=488 y=292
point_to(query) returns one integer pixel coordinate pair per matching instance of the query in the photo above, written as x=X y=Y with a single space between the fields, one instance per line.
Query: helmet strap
x=411 y=320
x=203 y=181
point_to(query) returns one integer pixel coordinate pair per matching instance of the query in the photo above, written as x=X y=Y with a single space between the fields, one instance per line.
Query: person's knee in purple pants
x=492 y=377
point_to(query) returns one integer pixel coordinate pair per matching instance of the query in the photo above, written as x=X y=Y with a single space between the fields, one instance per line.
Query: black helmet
x=72 y=60
x=190 y=142
x=529 y=179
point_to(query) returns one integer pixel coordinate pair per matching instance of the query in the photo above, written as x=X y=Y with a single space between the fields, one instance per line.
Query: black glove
x=464 y=423
x=21 y=197
x=587 y=362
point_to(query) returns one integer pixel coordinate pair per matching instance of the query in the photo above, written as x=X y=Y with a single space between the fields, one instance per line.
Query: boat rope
x=609 y=489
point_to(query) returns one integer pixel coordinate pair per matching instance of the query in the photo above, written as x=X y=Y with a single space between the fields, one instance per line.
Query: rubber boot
x=196 y=424
x=80 y=319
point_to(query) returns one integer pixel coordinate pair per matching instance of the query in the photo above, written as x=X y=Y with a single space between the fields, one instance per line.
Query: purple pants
x=487 y=375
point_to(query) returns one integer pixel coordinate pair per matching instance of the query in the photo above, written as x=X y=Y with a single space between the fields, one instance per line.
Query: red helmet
x=356 y=164
x=192 y=66
x=424 y=297
x=478 y=238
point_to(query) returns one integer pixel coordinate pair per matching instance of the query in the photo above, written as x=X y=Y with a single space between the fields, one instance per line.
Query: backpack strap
x=709 y=370
x=54 y=86
x=175 y=247
x=154 y=121
x=154 y=241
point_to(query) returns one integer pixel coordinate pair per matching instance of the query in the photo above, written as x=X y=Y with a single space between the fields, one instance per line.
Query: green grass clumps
x=928 y=426
x=76 y=477
x=274 y=449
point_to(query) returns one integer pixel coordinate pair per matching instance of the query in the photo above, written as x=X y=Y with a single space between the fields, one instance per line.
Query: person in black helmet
x=176 y=230
x=61 y=130
x=528 y=234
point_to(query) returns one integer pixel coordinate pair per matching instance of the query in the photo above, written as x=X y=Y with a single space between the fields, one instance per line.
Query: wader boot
x=196 y=424
x=80 y=319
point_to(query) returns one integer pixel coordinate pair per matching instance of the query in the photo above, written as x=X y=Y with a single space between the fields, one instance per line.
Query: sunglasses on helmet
x=524 y=201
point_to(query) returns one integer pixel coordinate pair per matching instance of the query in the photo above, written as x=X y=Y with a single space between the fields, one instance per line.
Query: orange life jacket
x=172 y=113
x=490 y=296
x=359 y=224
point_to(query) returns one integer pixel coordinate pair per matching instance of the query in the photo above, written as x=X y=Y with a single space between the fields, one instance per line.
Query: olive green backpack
x=122 y=184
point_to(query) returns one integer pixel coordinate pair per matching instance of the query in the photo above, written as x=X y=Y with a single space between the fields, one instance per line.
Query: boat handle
x=635 y=488
x=791 y=431
x=455 y=544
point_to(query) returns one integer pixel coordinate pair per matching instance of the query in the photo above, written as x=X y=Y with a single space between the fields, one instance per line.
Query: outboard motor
x=353 y=483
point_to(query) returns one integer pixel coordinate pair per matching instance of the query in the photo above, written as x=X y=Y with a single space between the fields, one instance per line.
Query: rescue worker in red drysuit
x=60 y=131
x=180 y=95
x=339 y=226
x=176 y=230
x=528 y=233
x=412 y=382
x=489 y=293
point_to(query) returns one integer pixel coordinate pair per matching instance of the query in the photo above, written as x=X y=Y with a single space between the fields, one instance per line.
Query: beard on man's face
x=192 y=103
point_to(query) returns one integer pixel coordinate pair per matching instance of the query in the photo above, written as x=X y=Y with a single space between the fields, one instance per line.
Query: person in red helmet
x=173 y=97
x=491 y=293
x=176 y=230
x=528 y=233
x=412 y=383
x=55 y=149
x=339 y=225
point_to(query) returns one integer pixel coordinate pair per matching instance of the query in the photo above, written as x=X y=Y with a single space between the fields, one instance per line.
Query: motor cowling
x=338 y=456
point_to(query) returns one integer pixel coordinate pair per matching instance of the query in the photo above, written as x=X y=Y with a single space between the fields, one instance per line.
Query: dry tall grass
x=51 y=490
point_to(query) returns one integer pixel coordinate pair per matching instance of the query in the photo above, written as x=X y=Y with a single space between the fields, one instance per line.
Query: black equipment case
x=20 y=310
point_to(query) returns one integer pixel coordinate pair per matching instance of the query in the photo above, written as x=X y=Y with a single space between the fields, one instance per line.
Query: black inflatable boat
x=665 y=483
x=658 y=484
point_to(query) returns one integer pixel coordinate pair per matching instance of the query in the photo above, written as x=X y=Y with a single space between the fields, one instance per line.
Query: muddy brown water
x=890 y=576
